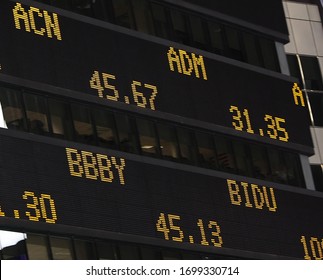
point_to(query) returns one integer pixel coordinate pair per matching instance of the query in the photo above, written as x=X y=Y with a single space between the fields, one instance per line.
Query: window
x=168 y=142
x=292 y=166
x=294 y=68
x=242 y=158
x=251 y=49
x=312 y=73
x=36 y=112
x=123 y=13
x=37 y=247
x=126 y=134
x=198 y=32
x=316 y=101
x=170 y=255
x=106 y=251
x=278 y=167
x=142 y=16
x=269 y=54
x=233 y=43
x=128 y=252
x=84 y=250
x=147 y=137
x=12 y=109
x=310 y=68
x=160 y=21
x=225 y=155
x=180 y=28
x=61 y=122
x=206 y=150
x=317 y=171
x=216 y=37
x=83 y=128
x=61 y=248
x=186 y=146
x=105 y=128
x=260 y=162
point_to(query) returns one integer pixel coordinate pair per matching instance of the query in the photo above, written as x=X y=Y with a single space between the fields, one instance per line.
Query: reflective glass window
x=294 y=67
x=206 y=150
x=168 y=142
x=129 y=252
x=161 y=25
x=242 y=158
x=143 y=16
x=106 y=251
x=293 y=169
x=233 y=43
x=12 y=109
x=83 y=128
x=317 y=171
x=216 y=37
x=186 y=146
x=61 y=248
x=251 y=49
x=147 y=137
x=269 y=54
x=36 y=112
x=123 y=13
x=126 y=134
x=277 y=167
x=198 y=32
x=260 y=164
x=61 y=122
x=312 y=73
x=225 y=155
x=316 y=101
x=37 y=247
x=180 y=28
x=84 y=250
x=105 y=128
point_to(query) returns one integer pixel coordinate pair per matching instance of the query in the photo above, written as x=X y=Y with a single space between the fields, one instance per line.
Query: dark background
x=134 y=208
x=86 y=48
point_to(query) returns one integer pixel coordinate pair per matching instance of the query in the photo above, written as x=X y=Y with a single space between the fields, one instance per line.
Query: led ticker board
x=109 y=63
x=93 y=188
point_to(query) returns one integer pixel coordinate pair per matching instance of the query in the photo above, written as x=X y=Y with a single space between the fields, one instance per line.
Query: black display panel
x=116 y=65
x=86 y=187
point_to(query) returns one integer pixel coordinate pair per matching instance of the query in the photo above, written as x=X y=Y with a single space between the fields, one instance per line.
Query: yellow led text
x=252 y=195
x=298 y=95
x=37 y=21
x=95 y=166
x=313 y=247
x=185 y=63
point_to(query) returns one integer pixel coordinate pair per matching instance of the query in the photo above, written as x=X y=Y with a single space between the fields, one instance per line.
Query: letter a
x=174 y=58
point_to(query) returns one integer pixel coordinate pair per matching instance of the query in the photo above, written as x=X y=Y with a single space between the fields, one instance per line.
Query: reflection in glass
x=168 y=141
x=37 y=247
x=147 y=136
x=61 y=248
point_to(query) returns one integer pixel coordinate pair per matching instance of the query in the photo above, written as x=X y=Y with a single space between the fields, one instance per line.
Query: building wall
x=306 y=41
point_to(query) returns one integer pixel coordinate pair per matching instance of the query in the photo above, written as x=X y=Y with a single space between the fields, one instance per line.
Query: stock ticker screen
x=82 y=186
x=99 y=189
x=117 y=65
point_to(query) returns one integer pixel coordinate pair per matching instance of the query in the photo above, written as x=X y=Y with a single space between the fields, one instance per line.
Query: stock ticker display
x=94 y=59
x=82 y=186
x=94 y=188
